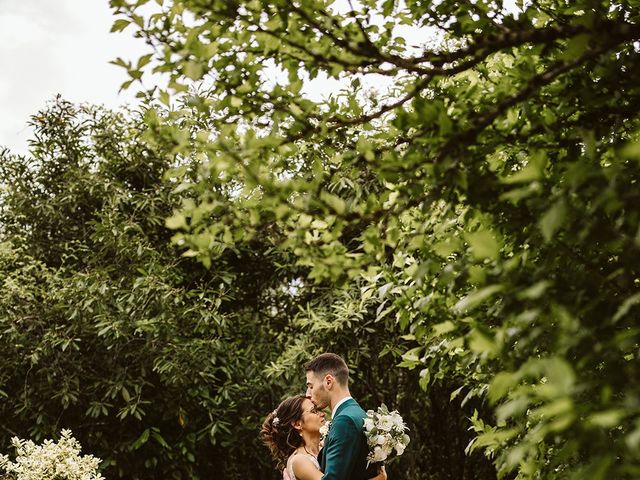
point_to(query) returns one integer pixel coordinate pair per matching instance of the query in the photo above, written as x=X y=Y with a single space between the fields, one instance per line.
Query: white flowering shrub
x=386 y=433
x=50 y=461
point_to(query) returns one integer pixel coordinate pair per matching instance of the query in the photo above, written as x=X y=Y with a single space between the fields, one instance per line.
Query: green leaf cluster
x=484 y=204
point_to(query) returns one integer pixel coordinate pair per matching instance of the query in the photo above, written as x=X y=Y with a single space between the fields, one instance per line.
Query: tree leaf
x=120 y=24
x=471 y=301
x=483 y=245
x=553 y=219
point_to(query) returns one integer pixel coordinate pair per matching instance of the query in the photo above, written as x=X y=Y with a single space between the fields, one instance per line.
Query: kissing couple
x=292 y=431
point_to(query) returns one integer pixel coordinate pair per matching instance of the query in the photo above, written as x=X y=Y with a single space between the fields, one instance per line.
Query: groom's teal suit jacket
x=344 y=455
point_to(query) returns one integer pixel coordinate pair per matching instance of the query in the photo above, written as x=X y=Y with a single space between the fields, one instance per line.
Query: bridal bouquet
x=386 y=433
x=50 y=461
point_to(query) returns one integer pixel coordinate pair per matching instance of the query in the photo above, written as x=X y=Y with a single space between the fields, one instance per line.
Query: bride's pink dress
x=287 y=473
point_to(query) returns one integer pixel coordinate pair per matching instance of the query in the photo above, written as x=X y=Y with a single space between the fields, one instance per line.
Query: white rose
x=379 y=455
x=405 y=439
x=386 y=423
x=368 y=424
x=400 y=448
x=380 y=439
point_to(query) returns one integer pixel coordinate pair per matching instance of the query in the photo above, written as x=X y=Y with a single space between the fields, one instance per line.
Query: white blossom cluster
x=386 y=433
x=50 y=461
x=324 y=431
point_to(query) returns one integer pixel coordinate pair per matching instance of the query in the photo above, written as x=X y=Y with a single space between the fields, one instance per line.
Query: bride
x=292 y=433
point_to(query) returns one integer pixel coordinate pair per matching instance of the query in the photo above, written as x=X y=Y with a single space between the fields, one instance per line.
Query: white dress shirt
x=335 y=409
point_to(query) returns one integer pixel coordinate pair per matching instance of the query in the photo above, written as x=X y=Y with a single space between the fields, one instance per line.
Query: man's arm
x=341 y=451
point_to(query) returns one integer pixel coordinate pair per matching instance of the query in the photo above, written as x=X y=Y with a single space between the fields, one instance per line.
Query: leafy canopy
x=486 y=199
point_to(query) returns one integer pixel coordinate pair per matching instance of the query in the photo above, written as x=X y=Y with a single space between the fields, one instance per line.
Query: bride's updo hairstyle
x=278 y=433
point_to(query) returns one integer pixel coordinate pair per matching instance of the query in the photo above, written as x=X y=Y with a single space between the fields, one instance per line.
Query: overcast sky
x=57 y=46
x=50 y=47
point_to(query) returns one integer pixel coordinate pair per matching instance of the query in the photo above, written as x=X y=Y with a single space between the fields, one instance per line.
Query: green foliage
x=483 y=208
x=160 y=366
x=105 y=329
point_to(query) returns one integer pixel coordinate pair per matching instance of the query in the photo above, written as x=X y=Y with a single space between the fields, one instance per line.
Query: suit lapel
x=346 y=403
x=321 y=456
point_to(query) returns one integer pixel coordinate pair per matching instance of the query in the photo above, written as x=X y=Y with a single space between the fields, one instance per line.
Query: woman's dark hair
x=277 y=430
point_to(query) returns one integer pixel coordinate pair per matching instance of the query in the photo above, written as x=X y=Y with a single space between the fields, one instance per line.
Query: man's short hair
x=329 y=363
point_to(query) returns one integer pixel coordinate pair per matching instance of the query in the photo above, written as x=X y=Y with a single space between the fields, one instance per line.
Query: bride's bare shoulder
x=304 y=467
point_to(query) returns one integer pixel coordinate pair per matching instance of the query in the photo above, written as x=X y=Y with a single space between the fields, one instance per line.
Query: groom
x=344 y=455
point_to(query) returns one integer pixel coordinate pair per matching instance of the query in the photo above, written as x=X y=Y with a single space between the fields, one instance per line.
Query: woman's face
x=312 y=418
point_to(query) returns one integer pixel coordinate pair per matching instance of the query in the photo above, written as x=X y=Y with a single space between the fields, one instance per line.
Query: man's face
x=316 y=390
